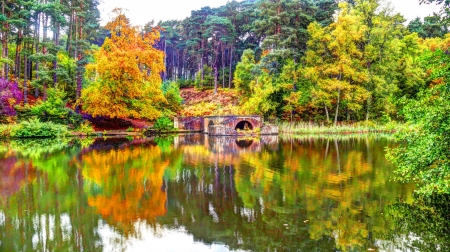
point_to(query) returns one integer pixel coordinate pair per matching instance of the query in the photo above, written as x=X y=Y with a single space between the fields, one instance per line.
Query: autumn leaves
x=124 y=80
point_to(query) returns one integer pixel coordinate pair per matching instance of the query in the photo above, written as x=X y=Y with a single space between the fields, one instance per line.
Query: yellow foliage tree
x=125 y=79
x=335 y=63
x=126 y=185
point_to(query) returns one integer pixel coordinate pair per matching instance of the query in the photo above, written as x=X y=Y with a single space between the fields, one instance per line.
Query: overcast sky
x=141 y=12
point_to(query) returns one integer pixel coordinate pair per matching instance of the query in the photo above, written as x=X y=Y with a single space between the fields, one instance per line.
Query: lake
x=200 y=193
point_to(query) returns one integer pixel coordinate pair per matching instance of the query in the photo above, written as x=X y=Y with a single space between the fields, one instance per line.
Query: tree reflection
x=308 y=194
x=14 y=176
x=126 y=185
x=423 y=225
x=49 y=211
x=337 y=195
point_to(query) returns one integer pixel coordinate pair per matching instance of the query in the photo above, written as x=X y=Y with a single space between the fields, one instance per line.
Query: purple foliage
x=10 y=95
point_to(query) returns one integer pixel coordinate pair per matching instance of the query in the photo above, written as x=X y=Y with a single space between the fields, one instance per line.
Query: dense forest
x=298 y=60
x=309 y=60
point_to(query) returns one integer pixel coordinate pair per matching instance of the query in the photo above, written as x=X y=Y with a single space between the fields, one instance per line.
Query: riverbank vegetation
x=348 y=128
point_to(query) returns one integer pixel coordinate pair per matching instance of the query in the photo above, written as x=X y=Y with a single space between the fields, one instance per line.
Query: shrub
x=36 y=128
x=10 y=95
x=182 y=83
x=163 y=124
x=53 y=110
x=5 y=131
x=171 y=92
x=85 y=128
x=207 y=81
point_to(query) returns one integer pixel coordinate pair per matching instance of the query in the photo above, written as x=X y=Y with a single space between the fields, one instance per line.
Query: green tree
x=424 y=158
x=283 y=26
x=416 y=25
x=221 y=31
x=245 y=74
x=434 y=26
x=335 y=62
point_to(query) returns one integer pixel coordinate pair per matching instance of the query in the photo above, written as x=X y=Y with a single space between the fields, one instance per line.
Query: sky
x=141 y=12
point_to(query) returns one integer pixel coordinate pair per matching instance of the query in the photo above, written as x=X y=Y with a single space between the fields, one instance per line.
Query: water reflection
x=246 y=194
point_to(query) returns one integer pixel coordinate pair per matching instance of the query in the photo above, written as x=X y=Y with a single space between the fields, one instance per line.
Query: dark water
x=191 y=193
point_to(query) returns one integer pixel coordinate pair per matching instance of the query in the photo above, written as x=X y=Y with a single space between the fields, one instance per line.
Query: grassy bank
x=310 y=128
x=332 y=137
x=33 y=128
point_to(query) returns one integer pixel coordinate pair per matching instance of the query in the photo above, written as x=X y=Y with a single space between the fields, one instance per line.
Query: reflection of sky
x=164 y=240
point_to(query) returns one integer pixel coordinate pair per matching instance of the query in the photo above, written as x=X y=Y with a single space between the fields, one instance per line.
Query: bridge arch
x=243 y=125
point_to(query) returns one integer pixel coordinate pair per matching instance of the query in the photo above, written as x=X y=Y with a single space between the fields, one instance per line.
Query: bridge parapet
x=227 y=125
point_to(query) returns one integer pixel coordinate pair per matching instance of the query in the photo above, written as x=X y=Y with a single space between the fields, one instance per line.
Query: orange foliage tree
x=124 y=80
x=126 y=186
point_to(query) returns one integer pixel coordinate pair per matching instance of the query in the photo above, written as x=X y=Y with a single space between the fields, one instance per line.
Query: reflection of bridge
x=227 y=144
x=229 y=125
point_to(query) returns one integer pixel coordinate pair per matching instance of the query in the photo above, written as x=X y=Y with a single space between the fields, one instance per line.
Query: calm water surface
x=194 y=193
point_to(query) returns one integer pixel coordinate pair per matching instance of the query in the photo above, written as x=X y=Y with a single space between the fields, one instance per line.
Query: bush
x=36 y=128
x=163 y=124
x=10 y=95
x=5 y=131
x=52 y=110
x=171 y=92
x=85 y=128
x=183 y=83
x=207 y=81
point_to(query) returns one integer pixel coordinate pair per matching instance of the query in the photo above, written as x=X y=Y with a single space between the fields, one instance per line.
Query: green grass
x=309 y=128
x=339 y=137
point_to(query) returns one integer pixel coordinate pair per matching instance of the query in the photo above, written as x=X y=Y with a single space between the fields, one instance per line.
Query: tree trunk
x=36 y=41
x=69 y=33
x=7 y=54
x=25 y=87
x=79 y=65
x=179 y=69
x=165 y=61
x=5 y=38
x=328 y=115
x=55 y=63
x=231 y=66
x=202 y=56
x=222 y=65
x=30 y=64
x=216 y=67
x=174 y=70
x=44 y=48
x=369 y=103
x=4 y=42
x=337 y=106
x=17 y=60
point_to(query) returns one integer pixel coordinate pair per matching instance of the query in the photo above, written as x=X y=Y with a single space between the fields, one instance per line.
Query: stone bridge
x=229 y=125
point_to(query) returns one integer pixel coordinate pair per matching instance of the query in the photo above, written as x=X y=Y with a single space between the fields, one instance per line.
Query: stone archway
x=244 y=125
